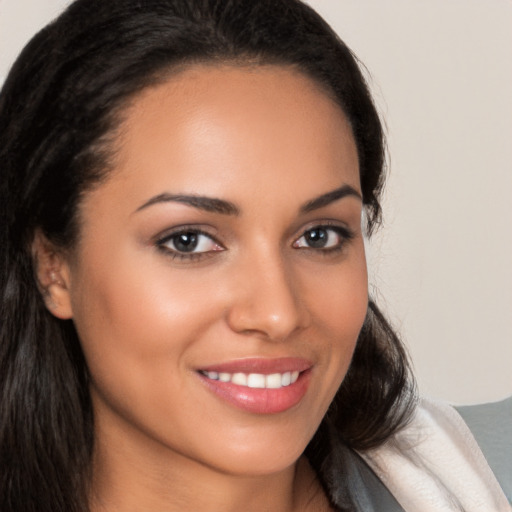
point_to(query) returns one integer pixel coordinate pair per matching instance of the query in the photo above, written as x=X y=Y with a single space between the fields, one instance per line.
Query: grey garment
x=491 y=425
x=353 y=486
x=366 y=492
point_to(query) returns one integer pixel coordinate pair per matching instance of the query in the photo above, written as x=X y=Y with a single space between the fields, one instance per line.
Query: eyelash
x=344 y=234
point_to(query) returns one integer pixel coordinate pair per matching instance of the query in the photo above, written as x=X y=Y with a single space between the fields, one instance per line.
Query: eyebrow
x=215 y=205
x=330 y=197
x=209 y=204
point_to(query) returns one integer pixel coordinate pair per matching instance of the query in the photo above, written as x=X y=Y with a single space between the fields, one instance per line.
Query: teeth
x=239 y=378
x=256 y=380
x=274 y=381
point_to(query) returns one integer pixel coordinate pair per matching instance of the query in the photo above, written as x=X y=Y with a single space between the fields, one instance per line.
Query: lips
x=261 y=386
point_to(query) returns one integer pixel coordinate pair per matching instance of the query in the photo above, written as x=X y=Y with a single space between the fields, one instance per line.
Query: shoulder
x=491 y=426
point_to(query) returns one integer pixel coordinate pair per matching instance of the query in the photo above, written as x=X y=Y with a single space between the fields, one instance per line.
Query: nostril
x=272 y=321
x=266 y=299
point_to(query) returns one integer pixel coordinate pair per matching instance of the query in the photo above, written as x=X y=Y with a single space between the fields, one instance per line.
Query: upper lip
x=264 y=366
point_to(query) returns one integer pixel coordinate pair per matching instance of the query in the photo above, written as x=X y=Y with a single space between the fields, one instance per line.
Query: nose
x=266 y=300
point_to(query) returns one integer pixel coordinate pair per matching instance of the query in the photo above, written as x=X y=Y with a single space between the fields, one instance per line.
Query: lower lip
x=260 y=400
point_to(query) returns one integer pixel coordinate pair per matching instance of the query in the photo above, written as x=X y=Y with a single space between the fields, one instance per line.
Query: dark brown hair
x=61 y=101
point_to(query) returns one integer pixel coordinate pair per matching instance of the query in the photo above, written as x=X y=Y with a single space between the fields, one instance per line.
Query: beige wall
x=442 y=75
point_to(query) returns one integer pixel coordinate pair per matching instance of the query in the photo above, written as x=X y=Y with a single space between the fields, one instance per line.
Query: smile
x=255 y=380
x=261 y=386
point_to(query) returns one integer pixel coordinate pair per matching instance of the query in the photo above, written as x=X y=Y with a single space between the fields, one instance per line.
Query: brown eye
x=185 y=242
x=323 y=237
x=189 y=241
x=317 y=238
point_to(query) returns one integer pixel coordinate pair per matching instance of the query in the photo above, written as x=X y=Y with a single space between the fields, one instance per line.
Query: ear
x=53 y=276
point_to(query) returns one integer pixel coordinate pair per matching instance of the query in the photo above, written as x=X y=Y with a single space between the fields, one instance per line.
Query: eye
x=324 y=238
x=189 y=243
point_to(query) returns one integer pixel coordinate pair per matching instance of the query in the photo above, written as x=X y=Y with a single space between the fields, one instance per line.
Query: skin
x=268 y=140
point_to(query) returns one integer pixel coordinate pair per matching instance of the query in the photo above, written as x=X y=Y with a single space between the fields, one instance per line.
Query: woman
x=185 y=318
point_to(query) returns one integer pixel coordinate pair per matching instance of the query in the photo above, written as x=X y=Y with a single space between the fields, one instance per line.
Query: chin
x=258 y=454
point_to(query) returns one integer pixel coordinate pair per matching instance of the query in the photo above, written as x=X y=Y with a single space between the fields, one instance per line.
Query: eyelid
x=335 y=225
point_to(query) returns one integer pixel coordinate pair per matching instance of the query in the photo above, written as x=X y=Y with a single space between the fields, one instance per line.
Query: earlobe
x=52 y=273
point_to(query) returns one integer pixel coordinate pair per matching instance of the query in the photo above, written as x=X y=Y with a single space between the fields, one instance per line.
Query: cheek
x=134 y=315
x=139 y=332
x=339 y=297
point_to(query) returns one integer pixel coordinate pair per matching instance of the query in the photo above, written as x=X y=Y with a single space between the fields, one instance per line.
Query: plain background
x=441 y=266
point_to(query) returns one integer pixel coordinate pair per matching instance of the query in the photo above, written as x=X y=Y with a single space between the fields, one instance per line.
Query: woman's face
x=219 y=284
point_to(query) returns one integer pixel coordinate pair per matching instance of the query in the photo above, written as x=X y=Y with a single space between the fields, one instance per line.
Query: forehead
x=221 y=130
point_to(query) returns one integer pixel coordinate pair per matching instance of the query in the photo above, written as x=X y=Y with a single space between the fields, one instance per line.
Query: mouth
x=261 y=386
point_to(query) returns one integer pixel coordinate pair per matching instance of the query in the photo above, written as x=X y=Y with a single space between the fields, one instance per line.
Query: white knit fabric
x=435 y=465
